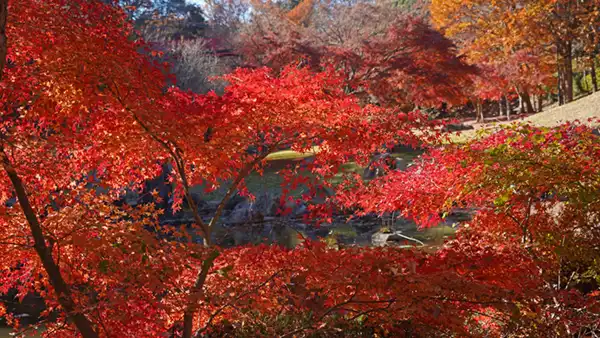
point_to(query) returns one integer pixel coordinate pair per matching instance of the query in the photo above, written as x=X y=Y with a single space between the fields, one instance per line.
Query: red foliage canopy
x=391 y=59
x=86 y=116
x=534 y=190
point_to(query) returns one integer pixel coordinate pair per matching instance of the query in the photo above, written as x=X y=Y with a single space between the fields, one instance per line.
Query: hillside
x=582 y=109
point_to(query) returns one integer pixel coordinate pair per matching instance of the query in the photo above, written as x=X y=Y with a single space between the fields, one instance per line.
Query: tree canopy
x=98 y=99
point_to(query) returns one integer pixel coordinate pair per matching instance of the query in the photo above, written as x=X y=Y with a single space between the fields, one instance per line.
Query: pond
x=339 y=232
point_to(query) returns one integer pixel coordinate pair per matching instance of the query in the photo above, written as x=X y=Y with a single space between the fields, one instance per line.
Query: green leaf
x=502 y=199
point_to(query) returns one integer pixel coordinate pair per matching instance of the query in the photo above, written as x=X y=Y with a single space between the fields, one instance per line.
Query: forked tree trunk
x=479 y=110
x=528 y=107
x=197 y=290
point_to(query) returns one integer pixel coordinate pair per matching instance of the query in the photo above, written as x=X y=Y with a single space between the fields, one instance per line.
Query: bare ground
x=583 y=109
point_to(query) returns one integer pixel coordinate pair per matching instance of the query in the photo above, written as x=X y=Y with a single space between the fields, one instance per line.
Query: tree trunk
x=500 y=106
x=578 y=80
x=479 y=110
x=559 y=77
x=57 y=281
x=528 y=107
x=508 y=107
x=506 y=104
x=593 y=73
x=540 y=103
x=559 y=86
x=521 y=105
x=568 y=72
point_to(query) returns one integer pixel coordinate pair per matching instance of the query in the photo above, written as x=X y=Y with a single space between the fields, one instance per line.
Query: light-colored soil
x=582 y=110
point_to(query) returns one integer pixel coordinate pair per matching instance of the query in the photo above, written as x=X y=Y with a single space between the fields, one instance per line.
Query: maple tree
x=531 y=188
x=50 y=90
x=87 y=115
x=387 y=290
x=571 y=23
x=528 y=36
x=388 y=59
x=504 y=36
x=298 y=109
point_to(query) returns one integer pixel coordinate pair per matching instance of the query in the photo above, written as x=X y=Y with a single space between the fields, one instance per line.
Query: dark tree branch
x=57 y=281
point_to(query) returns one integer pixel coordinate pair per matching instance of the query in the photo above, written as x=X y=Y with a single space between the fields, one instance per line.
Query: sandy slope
x=583 y=109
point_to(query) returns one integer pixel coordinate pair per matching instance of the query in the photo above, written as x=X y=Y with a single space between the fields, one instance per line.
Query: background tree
x=226 y=18
x=387 y=58
x=508 y=30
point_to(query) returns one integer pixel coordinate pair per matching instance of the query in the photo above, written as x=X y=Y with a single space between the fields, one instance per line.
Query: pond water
x=271 y=181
